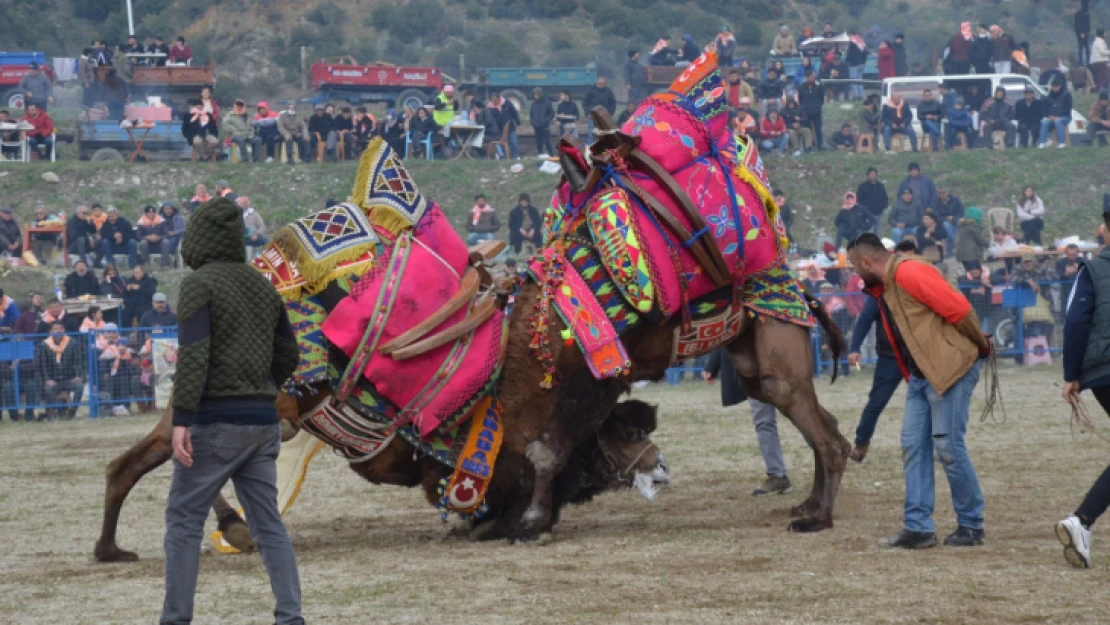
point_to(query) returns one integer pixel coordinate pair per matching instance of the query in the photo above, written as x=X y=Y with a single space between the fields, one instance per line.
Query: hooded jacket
x=238 y=126
x=1058 y=104
x=236 y=344
x=266 y=122
x=971 y=241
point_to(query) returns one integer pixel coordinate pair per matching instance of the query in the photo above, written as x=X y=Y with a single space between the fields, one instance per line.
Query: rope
x=993 y=392
x=611 y=459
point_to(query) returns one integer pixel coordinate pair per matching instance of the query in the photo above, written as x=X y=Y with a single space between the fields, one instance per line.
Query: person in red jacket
x=180 y=52
x=42 y=135
x=772 y=132
x=886 y=60
x=959 y=51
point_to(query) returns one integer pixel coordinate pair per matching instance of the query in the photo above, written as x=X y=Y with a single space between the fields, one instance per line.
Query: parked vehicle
x=516 y=83
x=344 y=79
x=105 y=141
x=175 y=84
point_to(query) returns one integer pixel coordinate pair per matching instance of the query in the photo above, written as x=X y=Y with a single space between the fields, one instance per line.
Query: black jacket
x=811 y=99
x=1083 y=22
x=868 y=317
x=344 y=123
x=770 y=89
x=855 y=57
x=516 y=222
x=191 y=129
x=108 y=230
x=891 y=117
x=982 y=52
x=599 y=97
x=541 y=113
x=932 y=107
x=901 y=67
x=690 y=51
x=322 y=124
x=568 y=108
x=854 y=220
x=954 y=208
x=790 y=116
x=635 y=76
x=1058 y=104
x=719 y=365
x=507 y=116
x=999 y=111
x=79 y=229
x=76 y=286
x=1029 y=113
x=138 y=301
x=113 y=288
x=154 y=319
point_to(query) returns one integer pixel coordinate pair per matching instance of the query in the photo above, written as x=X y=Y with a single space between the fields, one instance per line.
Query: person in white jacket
x=1030 y=212
x=1100 y=59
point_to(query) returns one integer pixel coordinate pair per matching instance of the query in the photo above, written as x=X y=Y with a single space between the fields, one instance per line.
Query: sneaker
x=269 y=159
x=1076 y=540
x=775 y=485
x=965 y=537
x=1061 y=146
x=1042 y=146
x=859 y=452
x=797 y=152
x=906 y=539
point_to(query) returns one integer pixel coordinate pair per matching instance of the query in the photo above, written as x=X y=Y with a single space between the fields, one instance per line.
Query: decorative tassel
x=388 y=219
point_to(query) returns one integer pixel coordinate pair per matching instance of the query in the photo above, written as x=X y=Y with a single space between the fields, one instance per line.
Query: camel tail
x=837 y=343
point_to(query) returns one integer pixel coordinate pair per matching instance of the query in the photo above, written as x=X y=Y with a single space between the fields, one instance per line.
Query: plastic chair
x=1036 y=351
x=998 y=139
x=429 y=154
x=1001 y=217
x=865 y=144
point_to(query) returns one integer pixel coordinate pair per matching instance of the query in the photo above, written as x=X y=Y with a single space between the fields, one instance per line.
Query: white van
x=910 y=88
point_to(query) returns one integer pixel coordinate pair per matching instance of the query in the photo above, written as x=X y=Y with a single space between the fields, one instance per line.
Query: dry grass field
x=703 y=552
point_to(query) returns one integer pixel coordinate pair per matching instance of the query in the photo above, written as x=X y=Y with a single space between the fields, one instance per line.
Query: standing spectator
x=959 y=51
x=36 y=87
x=949 y=209
x=737 y=89
x=483 y=223
x=857 y=60
x=200 y=130
x=982 y=51
x=446 y=106
x=662 y=54
x=294 y=132
x=930 y=113
x=783 y=44
x=25 y=324
x=845 y=140
x=123 y=65
x=873 y=196
x=567 y=113
x=898 y=119
x=60 y=370
x=786 y=213
x=801 y=137
x=635 y=76
x=200 y=196
x=598 y=95
x=101 y=54
x=321 y=131
x=525 y=227
x=971 y=242
x=80 y=281
x=932 y=233
x=9 y=312
x=180 y=52
x=901 y=66
x=41 y=134
x=1098 y=119
x=886 y=60
x=254 y=227
x=1057 y=112
x=690 y=50
x=159 y=47
x=116 y=94
x=81 y=234
x=540 y=115
x=998 y=115
x=508 y=119
x=240 y=132
x=86 y=76
x=905 y=215
x=924 y=191
x=1083 y=31
x=43 y=243
x=804 y=36
x=1030 y=214
x=265 y=123
x=1100 y=60
x=112 y=285
x=937 y=343
x=1068 y=267
x=137 y=294
x=852 y=220
x=1004 y=46
x=772 y=132
x=885 y=381
x=152 y=236
x=1028 y=112
x=726 y=47
x=811 y=98
x=11 y=238
x=117 y=237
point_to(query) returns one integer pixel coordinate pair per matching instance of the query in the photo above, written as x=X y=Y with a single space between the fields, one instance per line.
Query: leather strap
x=468 y=288
x=486 y=250
x=483 y=310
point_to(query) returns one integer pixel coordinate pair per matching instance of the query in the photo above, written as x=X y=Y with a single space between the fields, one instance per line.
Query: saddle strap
x=468 y=288
x=349 y=434
x=483 y=310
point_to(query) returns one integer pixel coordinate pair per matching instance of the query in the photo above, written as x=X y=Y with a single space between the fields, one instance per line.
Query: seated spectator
x=626 y=113
x=1098 y=119
x=345 y=126
x=960 y=121
x=690 y=50
x=265 y=124
x=180 y=52
x=870 y=117
x=737 y=89
x=81 y=234
x=949 y=209
x=852 y=220
x=93 y=322
x=974 y=101
x=11 y=237
x=770 y=91
x=746 y=121
x=200 y=130
x=60 y=371
x=116 y=369
x=784 y=44
x=56 y=312
x=137 y=294
x=44 y=243
x=160 y=315
x=393 y=130
x=174 y=224
x=80 y=281
x=159 y=47
x=152 y=236
x=1030 y=214
x=254 y=226
x=364 y=128
x=1057 y=114
x=905 y=215
x=209 y=105
x=134 y=47
x=41 y=134
x=9 y=152
x=224 y=190
x=200 y=196
x=1068 y=266
x=293 y=131
x=801 y=135
x=483 y=223
x=567 y=114
x=971 y=242
x=1028 y=112
x=845 y=140
x=662 y=54
x=525 y=227
x=240 y=132
x=321 y=129
x=998 y=115
x=772 y=132
x=112 y=285
x=931 y=115
x=421 y=127
x=931 y=232
x=898 y=119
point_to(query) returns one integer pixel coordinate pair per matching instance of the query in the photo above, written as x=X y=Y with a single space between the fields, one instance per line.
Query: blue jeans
x=514 y=146
x=939 y=422
x=767 y=433
x=34 y=142
x=950 y=242
x=908 y=131
x=886 y=380
x=856 y=73
x=932 y=129
x=109 y=248
x=1061 y=124
x=777 y=144
x=896 y=233
x=474 y=238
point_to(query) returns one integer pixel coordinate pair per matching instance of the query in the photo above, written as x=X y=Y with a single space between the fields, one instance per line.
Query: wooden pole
x=304 y=68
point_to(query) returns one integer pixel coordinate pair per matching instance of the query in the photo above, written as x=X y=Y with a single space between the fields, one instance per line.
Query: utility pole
x=130 y=20
x=304 y=68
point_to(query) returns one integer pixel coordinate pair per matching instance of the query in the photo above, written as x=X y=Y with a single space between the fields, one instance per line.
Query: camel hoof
x=805 y=509
x=114 y=554
x=810 y=525
x=239 y=536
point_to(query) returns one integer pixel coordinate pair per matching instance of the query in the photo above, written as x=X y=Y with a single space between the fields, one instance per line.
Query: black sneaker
x=906 y=539
x=773 y=485
x=965 y=537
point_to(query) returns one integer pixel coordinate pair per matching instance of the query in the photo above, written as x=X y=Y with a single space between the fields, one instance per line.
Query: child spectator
x=960 y=121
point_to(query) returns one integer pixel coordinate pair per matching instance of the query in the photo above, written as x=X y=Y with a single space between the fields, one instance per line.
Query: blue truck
x=105 y=141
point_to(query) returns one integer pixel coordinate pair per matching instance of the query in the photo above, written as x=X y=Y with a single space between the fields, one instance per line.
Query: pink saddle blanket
x=415 y=281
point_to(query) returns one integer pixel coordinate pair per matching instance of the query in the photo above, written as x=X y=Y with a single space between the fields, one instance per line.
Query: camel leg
x=582 y=405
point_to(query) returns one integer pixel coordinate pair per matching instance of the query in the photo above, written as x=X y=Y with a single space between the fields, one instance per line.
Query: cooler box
x=148 y=113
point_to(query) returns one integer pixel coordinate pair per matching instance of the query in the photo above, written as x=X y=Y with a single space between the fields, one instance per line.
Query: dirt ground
x=704 y=551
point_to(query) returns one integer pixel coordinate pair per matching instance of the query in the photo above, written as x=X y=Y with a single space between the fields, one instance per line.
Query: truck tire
x=13 y=99
x=519 y=100
x=106 y=155
x=411 y=97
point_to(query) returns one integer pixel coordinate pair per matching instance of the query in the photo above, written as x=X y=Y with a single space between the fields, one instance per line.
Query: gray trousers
x=246 y=455
x=767 y=433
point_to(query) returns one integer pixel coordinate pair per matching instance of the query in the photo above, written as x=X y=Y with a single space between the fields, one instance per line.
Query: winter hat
x=214 y=234
x=828 y=248
x=974 y=213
